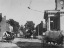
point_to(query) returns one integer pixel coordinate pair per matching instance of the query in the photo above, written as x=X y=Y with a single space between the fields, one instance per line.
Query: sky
x=18 y=10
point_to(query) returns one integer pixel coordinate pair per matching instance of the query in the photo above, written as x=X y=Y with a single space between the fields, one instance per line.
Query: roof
x=50 y=12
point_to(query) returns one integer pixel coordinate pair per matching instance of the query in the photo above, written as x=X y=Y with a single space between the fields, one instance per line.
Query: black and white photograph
x=31 y=23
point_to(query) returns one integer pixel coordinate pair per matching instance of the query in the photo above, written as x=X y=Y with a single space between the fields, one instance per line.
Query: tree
x=15 y=25
x=21 y=27
x=11 y=22
x=29 y=25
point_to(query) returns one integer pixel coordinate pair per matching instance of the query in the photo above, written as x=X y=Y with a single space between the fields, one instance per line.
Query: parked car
x=8 y=36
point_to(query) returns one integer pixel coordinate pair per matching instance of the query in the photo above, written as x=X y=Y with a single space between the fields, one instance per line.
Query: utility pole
x=38 y=30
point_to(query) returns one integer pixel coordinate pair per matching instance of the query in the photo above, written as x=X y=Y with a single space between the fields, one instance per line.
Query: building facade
x=4 y=26
x=54 y=19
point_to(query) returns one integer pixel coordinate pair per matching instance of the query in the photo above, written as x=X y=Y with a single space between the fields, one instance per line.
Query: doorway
x=55 y=23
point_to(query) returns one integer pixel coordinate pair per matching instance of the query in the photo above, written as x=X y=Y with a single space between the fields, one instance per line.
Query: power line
x=37 y=10
x=30 y=3
x=33 y=9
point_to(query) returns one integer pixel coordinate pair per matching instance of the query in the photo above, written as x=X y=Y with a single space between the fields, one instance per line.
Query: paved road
x=34 y=43
x=27 y=43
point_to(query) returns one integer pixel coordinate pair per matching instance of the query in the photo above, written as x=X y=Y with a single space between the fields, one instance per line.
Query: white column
x=62 y=23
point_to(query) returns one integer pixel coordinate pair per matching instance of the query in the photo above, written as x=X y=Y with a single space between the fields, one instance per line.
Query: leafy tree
x=29 y=25
x=15 y=25
x=11 y=22
x=21 y=27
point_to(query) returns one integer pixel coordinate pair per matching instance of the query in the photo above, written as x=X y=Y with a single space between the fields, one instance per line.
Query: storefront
x=52 y=19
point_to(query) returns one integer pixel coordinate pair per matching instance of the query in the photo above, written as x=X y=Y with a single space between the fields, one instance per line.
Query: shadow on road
x=35 y=45
x=51 y=46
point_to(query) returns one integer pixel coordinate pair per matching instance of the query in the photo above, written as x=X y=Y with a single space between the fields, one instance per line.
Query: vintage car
x=8 y=36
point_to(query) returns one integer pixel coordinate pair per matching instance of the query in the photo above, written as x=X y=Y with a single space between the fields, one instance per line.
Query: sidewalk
x=8 y=45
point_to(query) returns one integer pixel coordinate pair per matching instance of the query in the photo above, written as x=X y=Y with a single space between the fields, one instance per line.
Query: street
x=31 y=23
x=26 y=43
x=37 y=45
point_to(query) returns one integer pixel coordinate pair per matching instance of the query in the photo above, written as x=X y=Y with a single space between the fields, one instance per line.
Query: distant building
x=40 y=28
x=20 y=34
x=9 y=27
x=4 y=26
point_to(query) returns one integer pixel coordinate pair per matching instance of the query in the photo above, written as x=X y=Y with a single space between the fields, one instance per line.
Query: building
x=40 y=28
x=54 y=19
x=4 y=26
x=9 y=27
